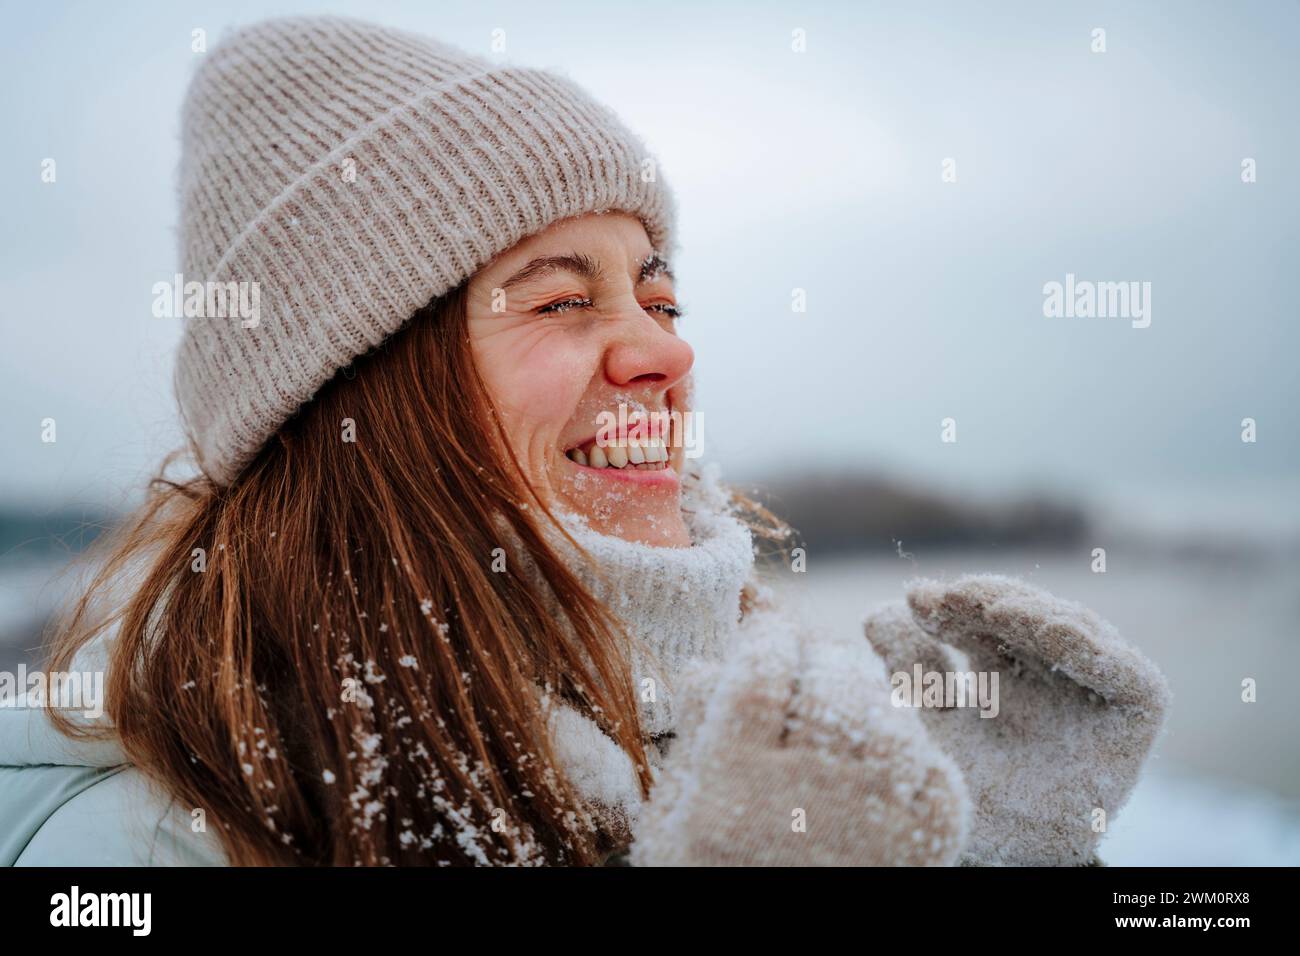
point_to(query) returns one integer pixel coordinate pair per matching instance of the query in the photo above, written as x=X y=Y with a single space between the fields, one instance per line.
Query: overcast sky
x=818 y=170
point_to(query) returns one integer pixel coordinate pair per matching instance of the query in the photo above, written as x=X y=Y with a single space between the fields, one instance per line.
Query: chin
x=635 y=516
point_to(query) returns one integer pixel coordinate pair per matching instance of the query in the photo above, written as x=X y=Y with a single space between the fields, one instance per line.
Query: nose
x=641 y=351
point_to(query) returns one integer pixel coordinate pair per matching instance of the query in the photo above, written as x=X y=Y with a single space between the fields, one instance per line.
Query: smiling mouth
x=645 y=454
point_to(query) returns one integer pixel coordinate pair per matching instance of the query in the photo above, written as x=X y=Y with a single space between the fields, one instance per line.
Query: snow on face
x=572 y=325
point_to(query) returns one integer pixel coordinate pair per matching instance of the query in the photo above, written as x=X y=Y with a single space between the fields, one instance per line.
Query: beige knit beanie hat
x=355 y=173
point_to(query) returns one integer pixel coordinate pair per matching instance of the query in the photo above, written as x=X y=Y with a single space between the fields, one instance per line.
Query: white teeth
x=651 y=456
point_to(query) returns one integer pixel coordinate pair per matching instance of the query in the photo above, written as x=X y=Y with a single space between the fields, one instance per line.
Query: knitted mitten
x=789 y=752
x=1078 y=712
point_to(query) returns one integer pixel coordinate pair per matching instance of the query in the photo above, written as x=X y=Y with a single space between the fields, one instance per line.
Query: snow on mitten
x=789 y=753
x=1078 y=710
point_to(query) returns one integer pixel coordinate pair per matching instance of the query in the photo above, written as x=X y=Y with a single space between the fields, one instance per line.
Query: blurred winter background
x=820 y=171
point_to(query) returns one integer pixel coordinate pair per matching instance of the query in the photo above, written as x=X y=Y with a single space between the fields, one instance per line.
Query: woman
x=423 y=604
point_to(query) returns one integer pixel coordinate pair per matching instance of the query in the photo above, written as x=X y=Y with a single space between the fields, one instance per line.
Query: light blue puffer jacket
x=73 y=803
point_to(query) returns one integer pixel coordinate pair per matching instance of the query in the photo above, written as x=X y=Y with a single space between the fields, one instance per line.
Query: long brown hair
x=320 y=656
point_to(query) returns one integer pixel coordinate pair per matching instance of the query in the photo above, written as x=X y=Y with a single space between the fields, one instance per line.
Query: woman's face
x=566 y=327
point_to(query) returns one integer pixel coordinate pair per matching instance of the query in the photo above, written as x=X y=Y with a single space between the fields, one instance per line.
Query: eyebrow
x=580 y=264
x=575 y=262
x=652 y=267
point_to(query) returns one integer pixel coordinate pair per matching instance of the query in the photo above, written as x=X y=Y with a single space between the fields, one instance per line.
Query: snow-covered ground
x=1174 y=820
x=1223 y=787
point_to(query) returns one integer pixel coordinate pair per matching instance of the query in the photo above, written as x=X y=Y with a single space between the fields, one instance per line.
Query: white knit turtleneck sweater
x=681 y=607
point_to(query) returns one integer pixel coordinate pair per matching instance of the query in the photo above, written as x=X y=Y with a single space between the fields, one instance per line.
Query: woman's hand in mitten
x=1077 y=711
x=789 y=752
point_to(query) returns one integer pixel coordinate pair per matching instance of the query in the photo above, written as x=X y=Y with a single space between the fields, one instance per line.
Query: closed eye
x=665 y=308
x=564 y=305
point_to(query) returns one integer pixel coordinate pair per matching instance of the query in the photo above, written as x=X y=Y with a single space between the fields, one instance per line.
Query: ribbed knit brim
x=356 y=173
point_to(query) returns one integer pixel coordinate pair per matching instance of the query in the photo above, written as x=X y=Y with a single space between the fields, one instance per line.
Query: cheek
x=537 y=378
